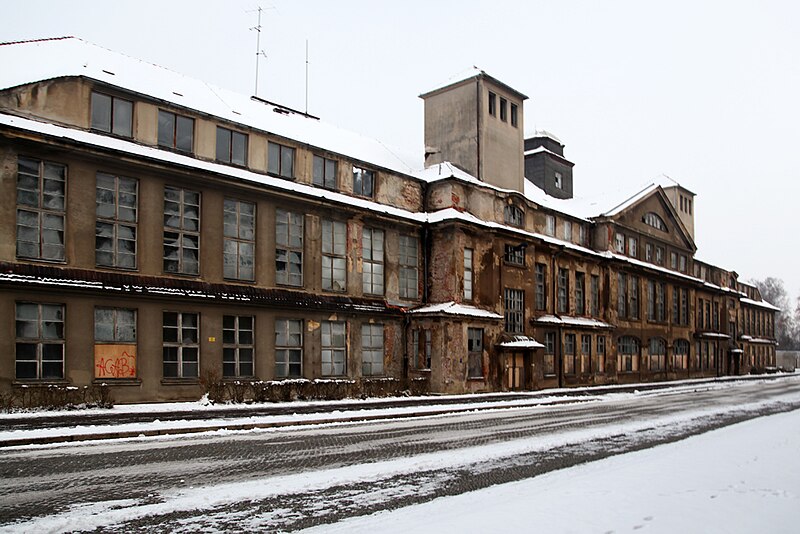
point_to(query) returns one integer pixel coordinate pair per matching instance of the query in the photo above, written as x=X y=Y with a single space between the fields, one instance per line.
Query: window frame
x=562 y=291
x=514 y=216
x=330 y=364
x=45 y=215
x=514 y=255
x=372 y=349
x=475 y=353
x=182 y=231
x=373 y=268
x=115 y=108
x=469 y=273
x=42 y=342
x=175 y=134
x=289 y=248
x=514 y=310
x=182 y=364
x=321 y=174
x=239 y=248
x=230 y=154
x=364 y=182
x=540 y=280
x=408 y=260
x=334 y=255
x=238 y=348
x=288 y=348
x=280 y=160
x=117 y=223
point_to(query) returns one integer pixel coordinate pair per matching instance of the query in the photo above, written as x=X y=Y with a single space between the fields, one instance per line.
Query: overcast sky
x=707 y=93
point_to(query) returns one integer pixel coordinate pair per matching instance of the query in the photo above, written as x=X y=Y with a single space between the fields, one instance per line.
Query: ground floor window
x=334 y=348
x=114 y=343
x=39 y=341
x=627 y=354
x=237 y=345
x=658 y=354
x=569 y=354
x=371 y=349
x=181 y=344
x=475 y=352
x=586 y=353
x=550 y=353
x=680 y=354
x=288 y=348
x=599 y=357
x=421 y=347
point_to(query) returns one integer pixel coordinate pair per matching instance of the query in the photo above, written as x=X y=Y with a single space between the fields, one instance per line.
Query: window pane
x=123 y=117
x=166 y=128
x=101 y=112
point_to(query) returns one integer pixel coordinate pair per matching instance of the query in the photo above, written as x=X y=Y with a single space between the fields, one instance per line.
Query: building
x=158 y=229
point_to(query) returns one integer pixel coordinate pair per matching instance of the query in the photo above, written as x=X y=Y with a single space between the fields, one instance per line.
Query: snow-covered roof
x=713 y=335
x=580 y=322
x=444 y=170
x=760 y=303
x=541 y=149
x=452 y=308
x=33 y=61
x=521 y=342
x=545 y=133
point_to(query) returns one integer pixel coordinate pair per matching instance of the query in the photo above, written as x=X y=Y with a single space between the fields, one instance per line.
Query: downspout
x=478 y=121
x=559 y=344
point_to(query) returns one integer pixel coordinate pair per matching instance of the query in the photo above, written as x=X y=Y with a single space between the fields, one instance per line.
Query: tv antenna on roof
x=259 y=52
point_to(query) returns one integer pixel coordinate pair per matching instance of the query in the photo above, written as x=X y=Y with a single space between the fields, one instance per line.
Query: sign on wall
x=115 y=361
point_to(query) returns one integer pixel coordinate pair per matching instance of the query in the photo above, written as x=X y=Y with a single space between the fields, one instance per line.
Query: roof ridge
x=41 y=40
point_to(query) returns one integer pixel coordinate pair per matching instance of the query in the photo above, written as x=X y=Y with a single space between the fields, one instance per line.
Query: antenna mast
x=306 y=76
x=259 y=52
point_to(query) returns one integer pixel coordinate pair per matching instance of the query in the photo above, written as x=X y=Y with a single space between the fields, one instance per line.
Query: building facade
x=158 y=229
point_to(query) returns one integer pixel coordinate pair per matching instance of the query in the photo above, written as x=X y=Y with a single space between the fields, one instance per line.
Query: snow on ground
x=739 y=479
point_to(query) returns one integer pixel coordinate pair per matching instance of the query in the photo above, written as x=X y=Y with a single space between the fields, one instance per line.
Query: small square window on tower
x=559 y=182
x=492 y=104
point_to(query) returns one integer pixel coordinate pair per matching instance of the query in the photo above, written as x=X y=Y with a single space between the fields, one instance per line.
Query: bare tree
x=786 y=323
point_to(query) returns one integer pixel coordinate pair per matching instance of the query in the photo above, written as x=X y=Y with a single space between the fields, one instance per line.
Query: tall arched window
x=627 y=354
x=658 y=354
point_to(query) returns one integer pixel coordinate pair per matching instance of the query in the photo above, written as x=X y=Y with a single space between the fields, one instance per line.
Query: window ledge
x=36 y=383
x=117 y=382
x=476 y=378
x=180 y=381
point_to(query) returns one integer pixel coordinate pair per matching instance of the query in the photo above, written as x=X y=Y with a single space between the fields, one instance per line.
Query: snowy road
x=292 y=478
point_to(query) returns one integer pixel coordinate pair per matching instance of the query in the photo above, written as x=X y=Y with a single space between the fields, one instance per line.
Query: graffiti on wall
x=115 y=361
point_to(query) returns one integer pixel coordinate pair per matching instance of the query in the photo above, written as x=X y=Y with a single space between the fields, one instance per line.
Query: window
x=334 y=349
x=653 y=219
x=599 y=357
x=409 y=265
x=558 y=180
x=586 y=353
x=619 y=243
x=363 y=182
x=371 y=349
x=563 y=290
x=673 y=260
x=622 y=295
x=549 y=353
x=288 y=348
x=660 y=255
x=324 y=174
x=580 y=293
x=581 y=234
x=541 y=285
x=658 y=354
x=492 y=104
x=468 y=274
x=115 y=343
x=633 y=305
x=515 y=255
x=111 y=114
x=181 y=231
x=648 y=252
x=628 y=357
x=175 y=131
x=595 y=296
x=682 y=264
x=676 y=308
x=569 y=354
x=115 y=228
x=680 y=354
x=280 y=160
x=475 y=352
x=514 y=216
x=514 y=115
x=425 y=349
x=715 y=324
x=372 y=261
x=39 y=341
x=514 y=310
x=550 y=225
x=503 y=109
x=41 y=200
x=237 y=345
x=661 y=312
x=651 y=300
x=238 y=257
x=334 y=273
x=288 y=248
x=231 y=146
x=633 y=248
x=181 y=344
x=567 y=231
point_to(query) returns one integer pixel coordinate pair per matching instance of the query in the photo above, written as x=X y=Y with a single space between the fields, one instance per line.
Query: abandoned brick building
x=157 y=228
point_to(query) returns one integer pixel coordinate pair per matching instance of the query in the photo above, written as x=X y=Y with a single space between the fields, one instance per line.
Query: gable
x=654 y=216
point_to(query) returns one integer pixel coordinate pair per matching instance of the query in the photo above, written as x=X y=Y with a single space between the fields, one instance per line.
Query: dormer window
x=514 y=216
x=363 y=182
x=550 y=225
x=567 y=231
x=653 y=219
x=112 y=115
x=280 y=160
x=175 y=131
x=619 y=243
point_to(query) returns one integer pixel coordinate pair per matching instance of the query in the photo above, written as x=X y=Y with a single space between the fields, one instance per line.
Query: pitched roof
x=34 y=61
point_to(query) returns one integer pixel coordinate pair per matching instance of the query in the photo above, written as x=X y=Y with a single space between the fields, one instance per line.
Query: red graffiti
x=123 y=366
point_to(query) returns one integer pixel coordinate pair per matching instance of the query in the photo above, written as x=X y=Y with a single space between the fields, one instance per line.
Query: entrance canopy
x=519 y=342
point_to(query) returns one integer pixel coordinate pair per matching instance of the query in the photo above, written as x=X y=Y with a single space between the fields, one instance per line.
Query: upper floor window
x=558 y=180
x=181 y=231
x=111 y=114
x=239 y=222
x=363 y=182
x=541 y=292
x=514 y=115
x=567 y=231
x=648 y=252
x=563 y=291
x=467 y=274
x=280 y=160
x=492 y=104
x=673 y=260
x=619 y=243
x=115 y=228
x=231 y=146
x=324 y=174
x=633 y=247
x=288 y=248
x=515 y=255
x=175 y=131
x=682 y=264
x=41 y=200
x=334 y=248
x=550 y=225
x=660 y=255
x=514 y=310
x=581 y=234
x=514 y=216
x=580 y=293
x=39 y=341
x=409 y=266
x=654 y=220
x=372 y=261
x=503 y=109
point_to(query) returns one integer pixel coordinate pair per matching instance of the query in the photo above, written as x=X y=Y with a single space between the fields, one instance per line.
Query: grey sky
x=705 y=92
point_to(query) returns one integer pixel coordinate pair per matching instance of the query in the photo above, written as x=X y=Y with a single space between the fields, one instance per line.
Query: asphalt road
x=59 y=481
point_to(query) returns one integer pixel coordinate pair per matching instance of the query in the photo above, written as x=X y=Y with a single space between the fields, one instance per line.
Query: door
x=516 y=371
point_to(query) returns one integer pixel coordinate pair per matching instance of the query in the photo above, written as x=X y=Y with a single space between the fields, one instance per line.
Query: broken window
x=239 y=222
x=569 y=354
x=115 y=229
x=514 y=310
x=372 y=261
x=41 y=200
x=363 y=182
x=658 y=352
x=334 y=247
x=181 y=231
x=334 y=348
x=288 y=248
x=409 y=267
x=475 y=352
x=628 y=354
x=549 y=353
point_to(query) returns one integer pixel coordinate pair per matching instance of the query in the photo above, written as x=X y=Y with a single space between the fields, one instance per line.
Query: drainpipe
x=478 y=99
x=559 y=345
